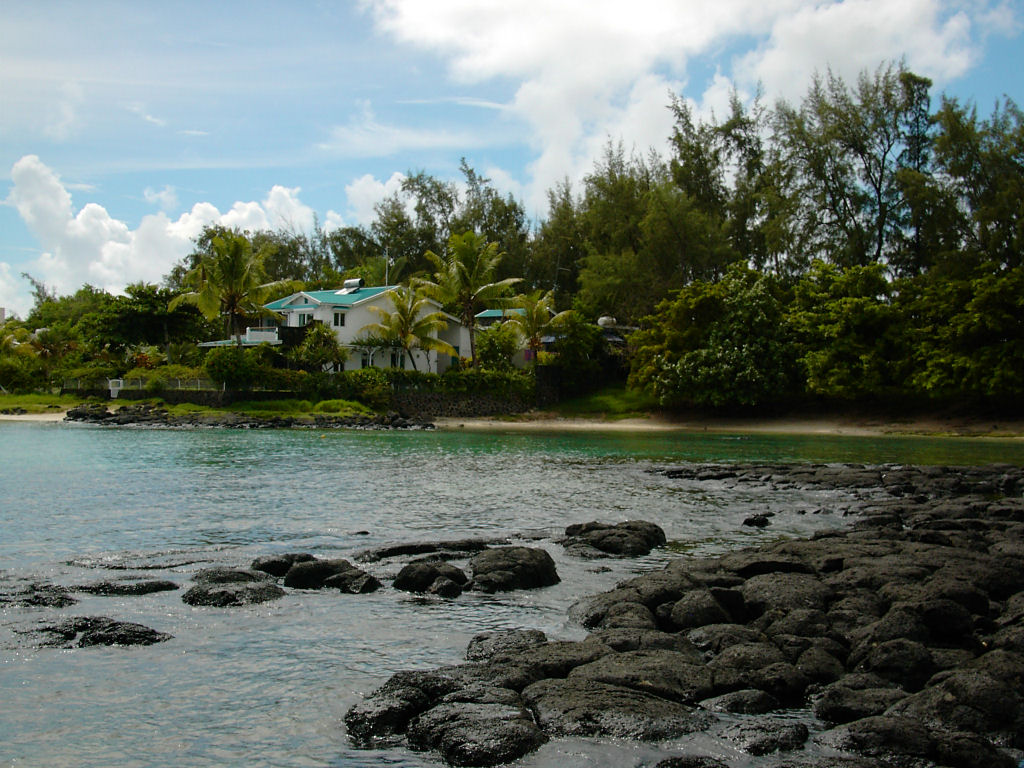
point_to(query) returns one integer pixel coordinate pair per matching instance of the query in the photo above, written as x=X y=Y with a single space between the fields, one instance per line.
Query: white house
x=347 y=311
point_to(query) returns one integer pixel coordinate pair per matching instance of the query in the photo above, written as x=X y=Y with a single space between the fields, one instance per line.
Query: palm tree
x=410 y=326
x=464 y=279
x=228 y=282
x=535 y=318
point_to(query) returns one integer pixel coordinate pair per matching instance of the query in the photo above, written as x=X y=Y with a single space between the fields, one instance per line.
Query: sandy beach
x=818 y=425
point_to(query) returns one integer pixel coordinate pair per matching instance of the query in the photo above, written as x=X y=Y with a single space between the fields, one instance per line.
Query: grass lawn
x=613 y=403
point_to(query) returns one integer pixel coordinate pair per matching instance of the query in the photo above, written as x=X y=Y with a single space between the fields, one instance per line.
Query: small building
x=347 y=311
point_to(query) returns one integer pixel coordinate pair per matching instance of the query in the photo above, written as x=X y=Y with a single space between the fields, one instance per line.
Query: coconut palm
x=464 y=279
x=228 y=282
x=412 y=325
x=535 y=318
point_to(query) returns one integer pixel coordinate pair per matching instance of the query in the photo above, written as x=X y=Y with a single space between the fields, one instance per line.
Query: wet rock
x=906 y=663
x=421 y=575
x=84 y=631
x=964 y=700
x=715 y=638
x=477 y=726
x=855 y=697
x=632 y=538
x=758 y=521
x=389 y=709
x=223 y=595
x=278 y=565
x=506 y=568
x=486 y=644
x=440 y=549
x=645 y=640
x=668 y=674
x=698 y=608
x=765 y=735
x=322 y=574
x=749 y=701
x=579 y=707
x=40 y=595
x=629 y=616
x=518 y=668
x=691 y=761
x=223 y=575
x=145 y=587
x=442 y=586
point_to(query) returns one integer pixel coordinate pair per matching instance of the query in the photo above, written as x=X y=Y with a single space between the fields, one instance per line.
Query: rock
x=507 y=568
x=40 y=595
x=963 y=700
x=485 y=645
x=441 y=549
x=517 y=668
x=714 y=638
x=128 y=587
x=421 y=575
x=764 y=736
x=632 y=538
x=906 y=663
x=645 y=640
x=478 y=726
x=84 y=631
x=578 y=707
x=222 y=575
x=855 y=697
x=278 y=565
x=758 y=521
x=698 y=608
x=320 y=574
x=388 y=710
x=629 y=616
x=691 y=761
x=668 y=674
x=222 y=595
x=749 y=701
x=785 y=591
x=445 y=587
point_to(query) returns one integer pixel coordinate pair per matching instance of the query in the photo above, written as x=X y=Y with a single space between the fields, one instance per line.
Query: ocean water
x=268 y=685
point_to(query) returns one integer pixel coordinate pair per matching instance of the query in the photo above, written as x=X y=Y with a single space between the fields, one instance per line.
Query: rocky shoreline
x=897 y=642
x=144 y=414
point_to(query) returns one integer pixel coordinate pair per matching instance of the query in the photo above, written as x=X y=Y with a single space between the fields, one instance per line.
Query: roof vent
x=351 y=286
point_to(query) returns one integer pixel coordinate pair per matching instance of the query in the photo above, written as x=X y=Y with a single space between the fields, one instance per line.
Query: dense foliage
x=862 y=244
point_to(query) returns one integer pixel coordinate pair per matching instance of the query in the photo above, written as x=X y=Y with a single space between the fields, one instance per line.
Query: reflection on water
x=268 y=685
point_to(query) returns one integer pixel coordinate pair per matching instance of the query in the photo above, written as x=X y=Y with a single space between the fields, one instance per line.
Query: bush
x=20 y=374
x=231 y=366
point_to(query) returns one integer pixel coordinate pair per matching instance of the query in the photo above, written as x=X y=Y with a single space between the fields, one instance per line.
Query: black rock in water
x=84 y=631
x=506 y=568
x=632 y=538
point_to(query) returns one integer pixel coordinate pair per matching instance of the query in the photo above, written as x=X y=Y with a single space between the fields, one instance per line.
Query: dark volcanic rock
x=507 y=568
x=145 y=587
x=84 y=631
x=765 y=735
x=278 y=565
x=632 y=538
x=41 y=596
x=669 y=674
x=486 y=644
x=222 y=595
x=477 y=725
x=222 y=575
x=325 y=574
x=579 y=707
x=421 y=575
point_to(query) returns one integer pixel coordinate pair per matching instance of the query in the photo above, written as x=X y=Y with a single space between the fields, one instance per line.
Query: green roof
x=335 y=298
x=489 y=313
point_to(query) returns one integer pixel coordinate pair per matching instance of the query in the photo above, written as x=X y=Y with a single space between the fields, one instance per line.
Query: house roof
x=334 y=298
x=487 y=314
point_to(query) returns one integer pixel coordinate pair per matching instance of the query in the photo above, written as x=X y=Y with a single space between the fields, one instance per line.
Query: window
x=397 y=358
x=304 y=319
x=339 y=319
x=367 y=361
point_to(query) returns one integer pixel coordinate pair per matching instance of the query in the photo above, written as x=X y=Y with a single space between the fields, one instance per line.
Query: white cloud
x=140 y=109
x=13 y=297
x=365 y=136
x=366 y=191
x=63 y=119
x=590 y=70
x=166 y=198
x=858 y=35
x=93 y=247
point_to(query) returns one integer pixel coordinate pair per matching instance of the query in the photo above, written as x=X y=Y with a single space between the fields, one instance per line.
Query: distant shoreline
x=823 y=425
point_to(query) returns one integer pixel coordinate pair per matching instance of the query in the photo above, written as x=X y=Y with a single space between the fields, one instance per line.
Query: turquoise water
x=268 y=685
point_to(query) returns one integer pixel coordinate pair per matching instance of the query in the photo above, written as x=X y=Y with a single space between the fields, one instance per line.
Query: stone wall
x=426 y=405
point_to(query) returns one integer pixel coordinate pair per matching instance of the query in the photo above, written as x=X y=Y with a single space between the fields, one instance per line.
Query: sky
x=126 y=126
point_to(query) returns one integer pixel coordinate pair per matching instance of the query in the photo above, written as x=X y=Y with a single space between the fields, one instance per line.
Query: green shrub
x=231 y=366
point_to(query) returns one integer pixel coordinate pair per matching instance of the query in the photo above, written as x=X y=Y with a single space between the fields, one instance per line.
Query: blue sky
x=125 y=127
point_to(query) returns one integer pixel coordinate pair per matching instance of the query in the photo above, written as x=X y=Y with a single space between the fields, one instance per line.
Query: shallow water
x=268 y=685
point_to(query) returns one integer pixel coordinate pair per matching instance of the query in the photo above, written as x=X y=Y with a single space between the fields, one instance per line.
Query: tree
x=228 y=281
x=464 y=279
x=718 y=344
x=319 y=349
x=535 y=318
x=412 y=324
